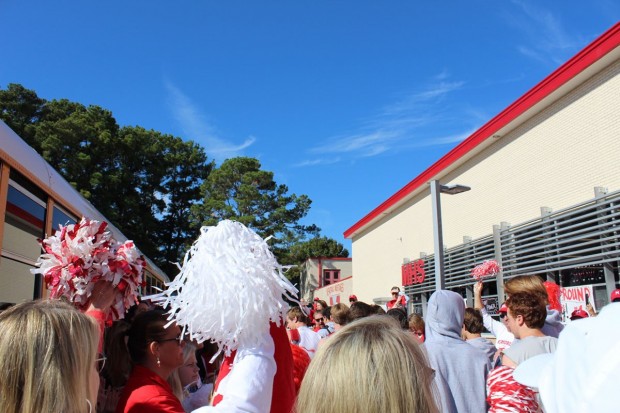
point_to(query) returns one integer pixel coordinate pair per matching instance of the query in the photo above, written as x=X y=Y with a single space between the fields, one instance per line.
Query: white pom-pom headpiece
x=229 y=289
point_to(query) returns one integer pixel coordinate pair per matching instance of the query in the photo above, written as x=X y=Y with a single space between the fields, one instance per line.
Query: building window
x=24 y=223
x=331 y=276
x=61 y=217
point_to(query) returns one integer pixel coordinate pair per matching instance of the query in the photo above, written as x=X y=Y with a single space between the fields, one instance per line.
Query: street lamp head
x=454 y=189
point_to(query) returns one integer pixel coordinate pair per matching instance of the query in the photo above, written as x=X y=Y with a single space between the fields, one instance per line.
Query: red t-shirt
x=146 y=392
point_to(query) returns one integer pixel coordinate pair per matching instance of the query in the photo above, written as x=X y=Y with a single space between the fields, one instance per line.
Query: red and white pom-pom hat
x=584 y=372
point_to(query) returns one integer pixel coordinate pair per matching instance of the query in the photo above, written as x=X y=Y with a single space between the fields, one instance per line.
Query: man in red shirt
x=397 y=301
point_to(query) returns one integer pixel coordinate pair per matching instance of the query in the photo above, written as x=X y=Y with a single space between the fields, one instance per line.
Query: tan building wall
x=554 y=159
x=313 y=267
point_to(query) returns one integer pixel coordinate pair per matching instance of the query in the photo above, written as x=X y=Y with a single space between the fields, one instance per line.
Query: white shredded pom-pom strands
x=229 y=289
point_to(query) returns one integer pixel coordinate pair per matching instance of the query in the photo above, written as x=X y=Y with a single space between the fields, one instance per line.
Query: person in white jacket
x=503 y=337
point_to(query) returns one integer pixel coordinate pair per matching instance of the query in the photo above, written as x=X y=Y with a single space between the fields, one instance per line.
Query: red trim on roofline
x=331 y=258
x=582 y=60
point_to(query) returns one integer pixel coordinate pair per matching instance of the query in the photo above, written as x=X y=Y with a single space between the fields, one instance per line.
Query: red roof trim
x=331 y=258
x=582 y=60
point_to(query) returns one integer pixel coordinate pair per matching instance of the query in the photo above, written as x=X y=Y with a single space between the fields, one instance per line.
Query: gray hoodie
x=460 y=369
x=553 y=323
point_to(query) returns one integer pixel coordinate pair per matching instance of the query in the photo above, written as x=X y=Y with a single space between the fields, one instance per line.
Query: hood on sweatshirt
x=444 y=317
x=553 y=323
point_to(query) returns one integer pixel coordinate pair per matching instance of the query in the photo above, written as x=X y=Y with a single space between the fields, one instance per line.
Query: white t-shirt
x=503 y=337
x=308 y=340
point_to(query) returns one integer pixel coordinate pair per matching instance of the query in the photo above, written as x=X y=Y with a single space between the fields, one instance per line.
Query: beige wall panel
x=555 y=159
x=336 y=293
x=310 y=274
x=16 y=281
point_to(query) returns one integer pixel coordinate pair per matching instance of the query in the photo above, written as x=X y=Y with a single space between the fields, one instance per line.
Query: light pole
x=436 y=190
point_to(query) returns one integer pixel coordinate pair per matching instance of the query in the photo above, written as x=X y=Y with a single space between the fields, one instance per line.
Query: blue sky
x=346 y=101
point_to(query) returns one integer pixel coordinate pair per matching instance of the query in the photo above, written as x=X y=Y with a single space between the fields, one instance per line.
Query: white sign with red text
x=572 y=298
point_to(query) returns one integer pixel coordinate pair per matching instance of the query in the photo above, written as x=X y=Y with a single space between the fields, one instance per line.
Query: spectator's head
x=615 y=296
x=319 y=304
x=472 y=322
x=154 y=346
x=319 y=320
x=189 y=371
x=503 y=313
x=296 y=318
x=532 y=284
x=352 y=298
x=444 y=316
x=578 y=314
x=400 y=316
x=327 y=313
x=417 y=327
x=48 y=358
x=359 y=309
x=525 y=310
x=394 y=292
x=377 y=309
x=340 y=314
x=399 y=380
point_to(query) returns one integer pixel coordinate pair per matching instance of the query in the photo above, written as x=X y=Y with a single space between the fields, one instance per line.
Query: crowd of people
x=343 y=358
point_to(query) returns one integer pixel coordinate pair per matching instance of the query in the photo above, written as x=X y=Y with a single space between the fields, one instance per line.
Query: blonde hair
x=390 y=373
x=174 y=380
x=531 y=284
x=47 y=352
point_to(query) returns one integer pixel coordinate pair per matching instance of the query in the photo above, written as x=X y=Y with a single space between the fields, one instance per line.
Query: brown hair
x=416 y=323
x=295 y=312
x=472 y=321
x=359 y=309
x=530 y=307
x=146 y=328
x=340 y=314
x=532 y=284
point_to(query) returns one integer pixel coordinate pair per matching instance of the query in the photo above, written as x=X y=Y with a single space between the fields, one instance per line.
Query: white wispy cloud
x=196 y=127
x=548 y=41
x=317 y=161
x=407 y=123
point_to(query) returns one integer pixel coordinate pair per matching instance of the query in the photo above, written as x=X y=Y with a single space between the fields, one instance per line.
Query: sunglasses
x=100 y=362
x=318 y=320
x=178 y=339
x=502 y=315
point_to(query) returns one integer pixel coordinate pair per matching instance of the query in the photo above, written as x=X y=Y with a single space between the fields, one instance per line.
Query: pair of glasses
x=100 y=362
x=178 y=339
x=502 y=315
x=318 y=320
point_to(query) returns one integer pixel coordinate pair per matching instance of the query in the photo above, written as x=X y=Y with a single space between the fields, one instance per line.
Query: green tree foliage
x=187 y=168
x=20 y=108
x=143 y=181
x=240 y=190
x=314 y=247
x=317 y=247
